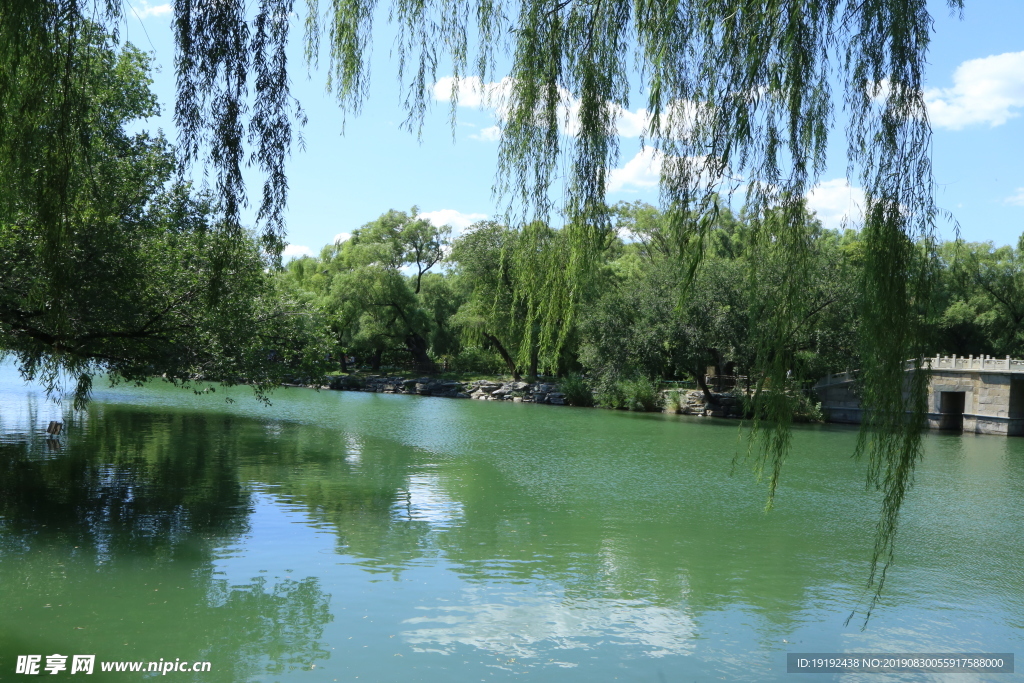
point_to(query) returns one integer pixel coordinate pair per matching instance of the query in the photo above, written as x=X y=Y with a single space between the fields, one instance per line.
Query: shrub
x=610 y=395
x=674 y=400
x=477 y=359
x=577 y=391
x=808 y=410
x=641 y=395
x=638 y=394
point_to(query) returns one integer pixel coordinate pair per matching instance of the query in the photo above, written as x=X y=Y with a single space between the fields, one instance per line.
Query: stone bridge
x=982 y=395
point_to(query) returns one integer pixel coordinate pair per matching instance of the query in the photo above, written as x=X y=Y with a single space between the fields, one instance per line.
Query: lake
x=339 y=536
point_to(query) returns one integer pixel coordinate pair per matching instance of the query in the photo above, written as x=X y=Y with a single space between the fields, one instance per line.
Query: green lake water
x=349 y=536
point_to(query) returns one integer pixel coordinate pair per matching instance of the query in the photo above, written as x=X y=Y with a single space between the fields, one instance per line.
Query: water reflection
x=108 y=549
x=341 y=546
x=528 y=627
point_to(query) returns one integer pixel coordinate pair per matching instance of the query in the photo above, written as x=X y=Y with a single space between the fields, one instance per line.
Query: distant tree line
x=402 y=292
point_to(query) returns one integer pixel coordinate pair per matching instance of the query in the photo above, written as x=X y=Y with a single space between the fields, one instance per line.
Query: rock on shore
x=690 y=402
x=483 y=389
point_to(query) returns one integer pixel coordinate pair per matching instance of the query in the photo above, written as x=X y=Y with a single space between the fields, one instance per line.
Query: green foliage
x=374 y=310
x=808 y=410
x=144 y=277
x=476 y=359
x=646 y=320
x=637 y=394
x=642 y=395
x=577 y=391
x=980 y=300
x=498 y=269
x=674 y=400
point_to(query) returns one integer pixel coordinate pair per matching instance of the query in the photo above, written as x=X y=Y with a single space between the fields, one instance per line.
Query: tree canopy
x=132 y=272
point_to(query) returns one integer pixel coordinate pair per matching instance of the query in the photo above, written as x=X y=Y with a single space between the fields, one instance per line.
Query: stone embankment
x=695 y=403
x=688 y=402
x=519 y=392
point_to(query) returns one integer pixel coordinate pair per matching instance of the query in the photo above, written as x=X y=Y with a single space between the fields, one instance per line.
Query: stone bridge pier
x=981 y=395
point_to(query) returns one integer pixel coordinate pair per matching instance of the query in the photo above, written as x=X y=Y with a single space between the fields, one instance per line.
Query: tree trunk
x=375 y=360
x=504 y=356
x=417 y=347
x=534 y=360
x=708 y=396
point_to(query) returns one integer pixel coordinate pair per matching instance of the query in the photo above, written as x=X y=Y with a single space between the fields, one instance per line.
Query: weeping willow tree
x=741 y=96
x=107 y=264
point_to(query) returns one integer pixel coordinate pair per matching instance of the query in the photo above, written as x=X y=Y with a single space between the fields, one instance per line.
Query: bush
x=610 y=395
x=478 y=360
x=674 y=400
x=642 y=395
x=577 y=391
x=808 y=410
x=638 y=394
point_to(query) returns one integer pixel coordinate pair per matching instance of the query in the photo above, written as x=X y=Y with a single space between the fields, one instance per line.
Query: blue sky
x=975 y=90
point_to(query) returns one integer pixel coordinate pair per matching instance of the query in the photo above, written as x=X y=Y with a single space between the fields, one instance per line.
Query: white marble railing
x=954 y=362
x=836 y=379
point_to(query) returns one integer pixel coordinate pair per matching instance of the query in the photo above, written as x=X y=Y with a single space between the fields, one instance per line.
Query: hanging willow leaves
x=740 y=97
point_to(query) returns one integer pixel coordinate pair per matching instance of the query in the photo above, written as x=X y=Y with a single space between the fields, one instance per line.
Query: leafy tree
x=396 y=240
x=649 y=321
x=489 y=315
x=497 y=268
x=144 y=279
x=386 y=299
x=361 y=289
x=983 y=302
x=441 y=299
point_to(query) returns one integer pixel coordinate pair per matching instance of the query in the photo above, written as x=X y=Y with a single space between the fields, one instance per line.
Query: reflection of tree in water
x=151 y=499
x=112 y=541
x=666 y=540
x=269 y=629
x=357 y=486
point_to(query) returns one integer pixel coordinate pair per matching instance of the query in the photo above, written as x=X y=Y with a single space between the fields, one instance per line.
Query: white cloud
x=1017 y=197
x=473 y=92
x=491 y=134
x=293 y=251
x=456 y=219
x=342 y=237
x=835 y=201
x=987 y=90
x=495 y=96
x=632 y=124
x=676 y=119
x=145 y=10
x=643 y=171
